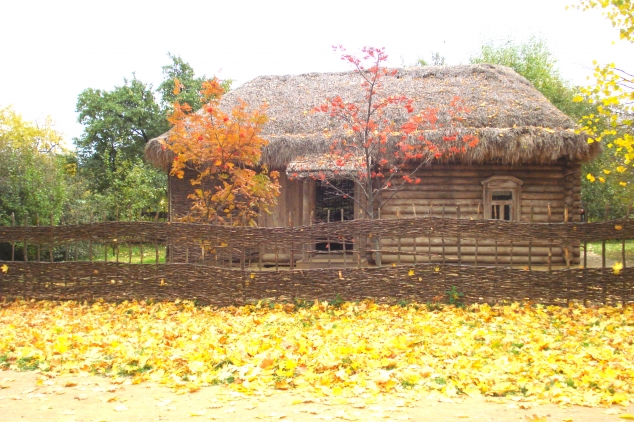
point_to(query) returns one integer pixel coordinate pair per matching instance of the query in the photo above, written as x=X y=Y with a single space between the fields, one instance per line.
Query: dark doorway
x=334 y=199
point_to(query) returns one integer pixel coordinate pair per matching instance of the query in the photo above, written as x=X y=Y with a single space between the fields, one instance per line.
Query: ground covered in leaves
x=528 y=353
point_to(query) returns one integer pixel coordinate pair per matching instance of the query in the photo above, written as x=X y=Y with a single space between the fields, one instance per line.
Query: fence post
x=475 y=260
x=567 y=245
x=459 y=243
x=398 y=216
x=379 y=251
x=74 y=248
x=414 y=239
x=344 y=244
x=229 y=247
x=26 y=252
x=12 y=243
x=311 y=245
x=442 y=238
x=550 y=245
x=90 y=240
x=292 y=249
x=156 y=248
x=105 y=245
x=39 y=245
x=607 y=217
x=530 y=245
x=260 y=252
x=603 y=242
x=431 y=207
x=50 y=247
x=328 y=238
x=627 y=216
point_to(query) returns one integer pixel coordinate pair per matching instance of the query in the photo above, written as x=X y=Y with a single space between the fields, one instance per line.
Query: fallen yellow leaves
x=573 y=355
x=617 y=267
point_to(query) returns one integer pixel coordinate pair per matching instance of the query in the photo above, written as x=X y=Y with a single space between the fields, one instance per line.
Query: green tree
x=32 y=170
x=189 y=85
x=117 y=125
x=533 y=60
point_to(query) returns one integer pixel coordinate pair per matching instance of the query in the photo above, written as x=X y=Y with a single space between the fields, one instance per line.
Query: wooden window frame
x=502 y=183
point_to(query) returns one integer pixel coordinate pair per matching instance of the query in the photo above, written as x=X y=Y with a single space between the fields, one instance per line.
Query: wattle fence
x=221 y=265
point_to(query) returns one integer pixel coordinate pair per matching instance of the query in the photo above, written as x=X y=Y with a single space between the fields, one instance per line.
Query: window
x=502 y=198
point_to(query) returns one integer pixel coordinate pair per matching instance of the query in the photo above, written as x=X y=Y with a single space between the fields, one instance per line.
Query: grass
x=125 y=250
x=614 y=250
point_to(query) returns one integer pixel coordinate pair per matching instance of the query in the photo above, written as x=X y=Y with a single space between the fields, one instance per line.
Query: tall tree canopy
x=189 y=85
x=117 y=125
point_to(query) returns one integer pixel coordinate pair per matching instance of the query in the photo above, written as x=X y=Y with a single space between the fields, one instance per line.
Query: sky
x=54 y=49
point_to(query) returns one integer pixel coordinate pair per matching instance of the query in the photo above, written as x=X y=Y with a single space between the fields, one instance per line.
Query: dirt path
x=92 y=398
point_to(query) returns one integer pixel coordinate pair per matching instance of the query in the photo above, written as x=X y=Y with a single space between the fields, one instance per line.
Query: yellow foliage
x=617 y=267
x=223 y=150
x=611 y=88
x=18 y=133
x=553 y=354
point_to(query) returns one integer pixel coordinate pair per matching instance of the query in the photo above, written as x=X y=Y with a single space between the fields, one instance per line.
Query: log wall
x=549 y=193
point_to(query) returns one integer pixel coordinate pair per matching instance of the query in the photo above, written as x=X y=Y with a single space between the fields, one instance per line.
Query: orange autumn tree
x=377 y=154
x=224 y=150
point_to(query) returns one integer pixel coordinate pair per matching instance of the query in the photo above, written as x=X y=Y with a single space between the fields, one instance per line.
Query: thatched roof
x=515 y=123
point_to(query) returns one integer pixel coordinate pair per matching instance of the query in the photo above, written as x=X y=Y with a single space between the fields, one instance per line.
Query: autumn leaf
x=536 y=418
x=224 y=149
x=339 y=350
x=197 y=412
x=4 y=268
x=617 y=267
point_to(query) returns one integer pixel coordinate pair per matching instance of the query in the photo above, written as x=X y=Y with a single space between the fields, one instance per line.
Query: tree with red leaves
x=379 y=156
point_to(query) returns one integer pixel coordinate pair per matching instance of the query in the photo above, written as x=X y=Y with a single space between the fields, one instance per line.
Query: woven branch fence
x=223 y=265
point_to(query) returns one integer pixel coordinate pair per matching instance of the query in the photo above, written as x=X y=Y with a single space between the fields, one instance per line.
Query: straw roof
x=515 y=123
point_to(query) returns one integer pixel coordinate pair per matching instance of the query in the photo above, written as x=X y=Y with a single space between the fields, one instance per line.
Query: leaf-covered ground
x=542 y=354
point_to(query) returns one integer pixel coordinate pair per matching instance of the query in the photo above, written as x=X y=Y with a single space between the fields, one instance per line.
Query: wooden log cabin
x=526 y=166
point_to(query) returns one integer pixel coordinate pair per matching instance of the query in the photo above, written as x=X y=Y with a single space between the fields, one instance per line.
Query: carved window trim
x=506 y=208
